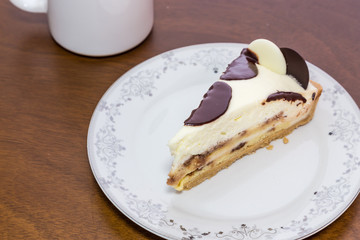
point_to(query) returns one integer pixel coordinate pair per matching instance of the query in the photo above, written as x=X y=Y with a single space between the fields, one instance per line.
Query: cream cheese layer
x=246 y=110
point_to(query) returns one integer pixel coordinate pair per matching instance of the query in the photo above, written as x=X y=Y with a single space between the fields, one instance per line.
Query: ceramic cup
x=95 y=27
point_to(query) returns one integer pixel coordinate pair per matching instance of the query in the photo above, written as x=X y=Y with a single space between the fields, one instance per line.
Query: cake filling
x=247 y=96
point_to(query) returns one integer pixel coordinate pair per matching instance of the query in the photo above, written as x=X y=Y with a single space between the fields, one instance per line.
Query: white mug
x=95 y=27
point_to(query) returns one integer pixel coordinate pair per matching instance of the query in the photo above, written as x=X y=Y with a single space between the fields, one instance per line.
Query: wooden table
x=47 y=97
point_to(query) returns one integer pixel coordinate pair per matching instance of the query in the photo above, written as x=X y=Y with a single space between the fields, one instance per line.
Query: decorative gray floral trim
x=109 y=150
x=151 y=212
x=328 y=198
x=212 y=59
x=246 y=232
x=345 y=129
x=193 y=233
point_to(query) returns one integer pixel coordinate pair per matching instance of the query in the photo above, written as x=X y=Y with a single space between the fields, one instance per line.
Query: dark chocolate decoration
x=296 y=66
x=288 y=96
x=213 y=105
x=242 y=68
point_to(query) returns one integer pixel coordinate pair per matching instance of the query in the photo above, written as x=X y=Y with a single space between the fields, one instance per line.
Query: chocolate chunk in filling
x=238 y=147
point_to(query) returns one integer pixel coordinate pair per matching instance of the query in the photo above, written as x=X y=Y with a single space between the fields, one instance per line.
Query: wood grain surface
x=47 y=97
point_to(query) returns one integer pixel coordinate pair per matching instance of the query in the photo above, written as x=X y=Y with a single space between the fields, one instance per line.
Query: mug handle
x=36 y=6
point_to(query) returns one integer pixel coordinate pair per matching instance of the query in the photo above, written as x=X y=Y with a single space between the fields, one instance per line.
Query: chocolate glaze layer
x=296 y=66
x=288 y=96
x=213 y=105
x=242 y=68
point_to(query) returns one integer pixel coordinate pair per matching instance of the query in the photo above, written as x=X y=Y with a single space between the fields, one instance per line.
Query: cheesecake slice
x=263 y=95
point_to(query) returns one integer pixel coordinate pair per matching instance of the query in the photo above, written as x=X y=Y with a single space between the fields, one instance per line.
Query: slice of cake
x=263 y=95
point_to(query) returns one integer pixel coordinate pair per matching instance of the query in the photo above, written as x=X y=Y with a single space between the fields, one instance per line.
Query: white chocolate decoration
x=269 y=55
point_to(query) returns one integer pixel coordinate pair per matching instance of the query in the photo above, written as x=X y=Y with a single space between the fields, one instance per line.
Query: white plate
x=289 y=192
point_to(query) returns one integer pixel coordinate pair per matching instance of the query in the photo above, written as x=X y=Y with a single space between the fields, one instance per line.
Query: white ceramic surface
x=290 y=192
x=95 y=27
